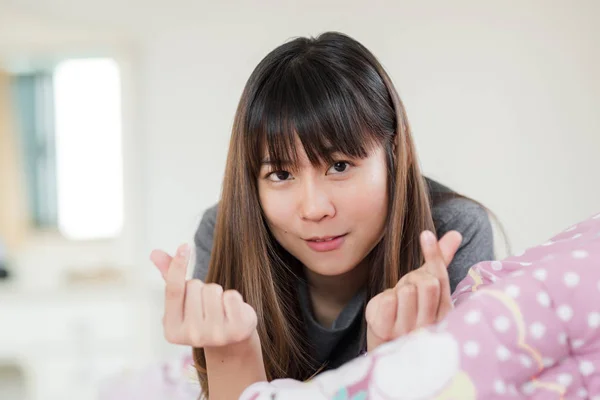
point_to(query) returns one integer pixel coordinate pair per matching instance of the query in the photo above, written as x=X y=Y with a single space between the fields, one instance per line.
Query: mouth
x=319 y=239
x=325 y=243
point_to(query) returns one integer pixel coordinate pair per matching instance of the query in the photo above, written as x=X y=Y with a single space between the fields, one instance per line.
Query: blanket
x=527 y=326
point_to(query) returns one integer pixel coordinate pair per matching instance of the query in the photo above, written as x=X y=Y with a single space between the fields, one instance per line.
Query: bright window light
x=87 y=102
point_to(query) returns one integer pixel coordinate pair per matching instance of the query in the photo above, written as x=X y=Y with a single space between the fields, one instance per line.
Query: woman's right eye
x=278 y=176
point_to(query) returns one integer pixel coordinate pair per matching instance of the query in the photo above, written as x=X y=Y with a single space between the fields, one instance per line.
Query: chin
x=329 y=269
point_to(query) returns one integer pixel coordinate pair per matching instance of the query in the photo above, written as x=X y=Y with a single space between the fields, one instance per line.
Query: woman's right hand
x=201 y=314
x=421 y=298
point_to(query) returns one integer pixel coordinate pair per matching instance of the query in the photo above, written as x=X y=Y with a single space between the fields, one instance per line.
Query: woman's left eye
x=339 y=167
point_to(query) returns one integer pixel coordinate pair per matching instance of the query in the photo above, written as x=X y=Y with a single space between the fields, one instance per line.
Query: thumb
x=449 y=245
x=162 y=261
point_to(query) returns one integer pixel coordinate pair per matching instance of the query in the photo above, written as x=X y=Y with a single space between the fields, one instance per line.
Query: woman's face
x=328 y=217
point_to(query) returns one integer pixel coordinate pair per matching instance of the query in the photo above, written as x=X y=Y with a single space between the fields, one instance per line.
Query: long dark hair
x=332 y=94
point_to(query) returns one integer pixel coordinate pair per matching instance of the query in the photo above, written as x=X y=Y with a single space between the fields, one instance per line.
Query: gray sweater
x=343 y=340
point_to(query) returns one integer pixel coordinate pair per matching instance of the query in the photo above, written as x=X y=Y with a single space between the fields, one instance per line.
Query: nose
x=315 y=203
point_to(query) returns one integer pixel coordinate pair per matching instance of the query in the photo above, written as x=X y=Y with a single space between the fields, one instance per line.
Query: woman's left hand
x=420 y=298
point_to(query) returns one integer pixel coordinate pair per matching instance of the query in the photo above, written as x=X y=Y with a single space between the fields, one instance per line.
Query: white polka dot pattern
x=532 y=315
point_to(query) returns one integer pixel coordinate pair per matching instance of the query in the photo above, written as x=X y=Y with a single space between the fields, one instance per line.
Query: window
x=70 y=121
x=34 y=106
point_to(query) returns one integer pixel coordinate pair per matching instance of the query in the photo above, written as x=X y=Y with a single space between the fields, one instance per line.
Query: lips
x=326 y=243
x=323 y=238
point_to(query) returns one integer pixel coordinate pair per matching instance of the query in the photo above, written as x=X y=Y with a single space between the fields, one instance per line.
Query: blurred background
x=114 y=126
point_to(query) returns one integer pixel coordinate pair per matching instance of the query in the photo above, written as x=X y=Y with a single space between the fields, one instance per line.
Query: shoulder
x=451 y=211
x=207 y=224
x=204 y=232
x=209 y=217
x=463 y=215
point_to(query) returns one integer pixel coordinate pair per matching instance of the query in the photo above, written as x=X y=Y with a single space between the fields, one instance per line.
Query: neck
x=330 y=294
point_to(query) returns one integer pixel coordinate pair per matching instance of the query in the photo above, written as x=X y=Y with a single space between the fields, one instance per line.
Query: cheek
x=372 y=199
x=368 y=202
x=373 y=180
x=278 y=208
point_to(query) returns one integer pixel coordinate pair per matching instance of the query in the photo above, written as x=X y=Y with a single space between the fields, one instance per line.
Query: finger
x=371 y=309
x=444 y=307
x=175 y=288
x=428 y=299
x=434 y=262
x=239 y=315
x=433 y=295
x=449 y=245
x=161 y=260
x=212 y=299
x=193 y=313
x=380 y=319
x=429 y=295
x=383 y=322
x=232 y=303
x=406 y=316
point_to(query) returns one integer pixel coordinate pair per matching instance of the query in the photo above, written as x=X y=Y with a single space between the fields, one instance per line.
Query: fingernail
x=428 y=237
x=184 y=251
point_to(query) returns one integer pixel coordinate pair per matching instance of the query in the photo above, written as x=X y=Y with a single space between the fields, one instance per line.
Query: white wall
x=502 y=97
x=500 y=94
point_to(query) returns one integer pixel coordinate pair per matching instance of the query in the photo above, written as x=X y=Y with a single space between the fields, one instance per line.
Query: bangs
x=319 y=107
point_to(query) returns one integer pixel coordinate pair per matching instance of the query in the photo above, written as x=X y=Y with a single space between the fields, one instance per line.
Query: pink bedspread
x=524 y=327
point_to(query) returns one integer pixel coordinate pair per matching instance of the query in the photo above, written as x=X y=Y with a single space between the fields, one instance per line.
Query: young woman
x=324 y=242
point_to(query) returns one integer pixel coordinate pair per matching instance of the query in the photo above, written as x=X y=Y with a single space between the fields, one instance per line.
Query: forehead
x=293 y=152
x=295 y=148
